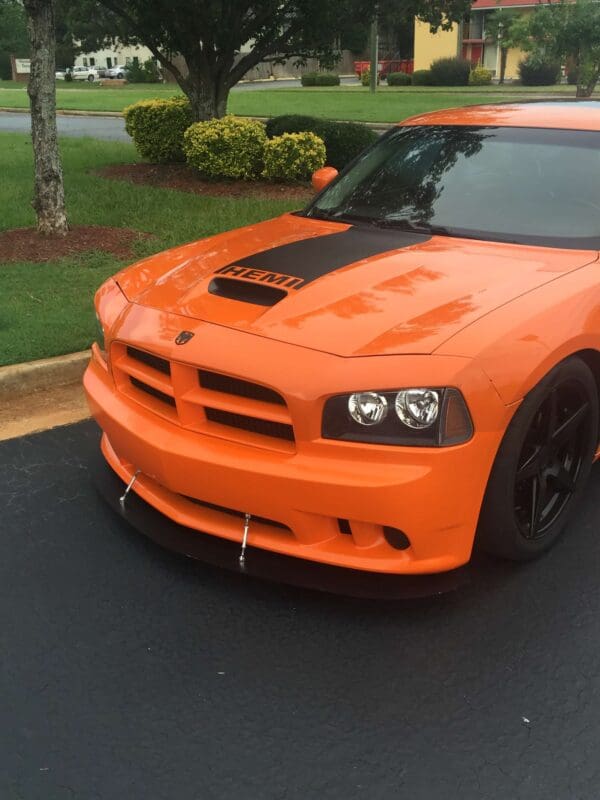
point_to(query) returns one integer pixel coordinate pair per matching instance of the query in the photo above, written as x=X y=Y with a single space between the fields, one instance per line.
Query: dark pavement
x=129 y=672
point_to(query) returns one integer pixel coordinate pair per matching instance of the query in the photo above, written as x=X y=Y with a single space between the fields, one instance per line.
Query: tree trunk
x=503 y=57
x=207 y=96
x=49 y=196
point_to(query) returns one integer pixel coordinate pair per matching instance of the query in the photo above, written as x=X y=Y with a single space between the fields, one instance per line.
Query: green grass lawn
x=46 y=309
x=344 y=102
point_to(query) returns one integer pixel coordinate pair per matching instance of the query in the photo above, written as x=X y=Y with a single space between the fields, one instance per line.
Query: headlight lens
x=418 y=408
x=368 y=408
x=422 y=417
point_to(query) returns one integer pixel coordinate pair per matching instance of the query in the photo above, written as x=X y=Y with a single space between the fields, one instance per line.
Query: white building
x=118 y=55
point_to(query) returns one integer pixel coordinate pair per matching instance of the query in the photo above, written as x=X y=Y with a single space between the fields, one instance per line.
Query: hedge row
x=162 y=131
x=319 y=79
x=231 y=147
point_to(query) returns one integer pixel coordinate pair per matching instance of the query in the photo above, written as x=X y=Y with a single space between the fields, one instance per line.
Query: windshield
x=525 y=185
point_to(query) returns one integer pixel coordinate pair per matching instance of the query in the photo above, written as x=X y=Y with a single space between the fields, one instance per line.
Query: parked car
x=117 y=72
x=85 y=74
x=406 y=369
x=61 y=73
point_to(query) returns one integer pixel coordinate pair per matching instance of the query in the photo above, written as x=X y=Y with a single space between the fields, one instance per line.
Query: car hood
x=347 y=290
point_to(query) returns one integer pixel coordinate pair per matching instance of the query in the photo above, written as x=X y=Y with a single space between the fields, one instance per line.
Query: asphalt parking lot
x=129 y=672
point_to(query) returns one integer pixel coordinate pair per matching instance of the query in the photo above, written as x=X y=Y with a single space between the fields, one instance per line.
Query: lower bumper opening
x=263 y=563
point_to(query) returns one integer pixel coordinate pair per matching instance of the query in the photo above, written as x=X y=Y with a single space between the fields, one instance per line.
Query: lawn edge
x=45 y=373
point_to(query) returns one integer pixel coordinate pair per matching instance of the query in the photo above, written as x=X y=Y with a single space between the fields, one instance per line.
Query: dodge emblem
x=183 y=337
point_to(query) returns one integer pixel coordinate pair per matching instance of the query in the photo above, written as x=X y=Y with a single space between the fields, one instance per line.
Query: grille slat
x=156 y=393
x=155 y=362
x=228 y=385
x=264 y=427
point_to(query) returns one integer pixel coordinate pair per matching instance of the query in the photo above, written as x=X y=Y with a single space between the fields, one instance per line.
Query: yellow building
x=468 y=40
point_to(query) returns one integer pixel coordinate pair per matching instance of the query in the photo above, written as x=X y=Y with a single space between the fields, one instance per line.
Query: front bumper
x=207 y=483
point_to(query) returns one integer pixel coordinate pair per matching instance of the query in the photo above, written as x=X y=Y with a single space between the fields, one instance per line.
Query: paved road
x=129 y=672
x=113 y=128
x=110 y=128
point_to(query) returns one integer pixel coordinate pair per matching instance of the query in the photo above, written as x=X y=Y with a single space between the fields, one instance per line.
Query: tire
x=90 y=78
x=120 y=76
x=542 y=465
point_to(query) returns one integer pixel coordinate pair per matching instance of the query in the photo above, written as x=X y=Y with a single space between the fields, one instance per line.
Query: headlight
x=423 y=416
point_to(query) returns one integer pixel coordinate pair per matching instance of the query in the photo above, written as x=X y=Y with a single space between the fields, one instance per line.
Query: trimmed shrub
x=327 y=79
x=143 y=73
x=343 y=140
x=533 y=72
x=398 y=79
x=309 y=79
x=293 y=156
x=480 y=76
x=365 y=77
x=68 y=77
x=230 y=147
x=422 y=77
x=157 y=127
x=450 y=72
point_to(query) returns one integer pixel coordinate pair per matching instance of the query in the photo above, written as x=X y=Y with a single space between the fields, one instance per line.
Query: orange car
x=353 y=395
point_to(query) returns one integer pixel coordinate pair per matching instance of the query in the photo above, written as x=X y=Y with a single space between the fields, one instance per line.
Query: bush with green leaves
x=157 y=127
x=230 y=147
x=143 y=73
x=398 y=79
x=538 y=72
x=68 y=77
x=365 y=77
x=327 y=79
x=309 y=79
x=480 y=76
x=293 y=156
x=422 y=77
x=450 y=72
x=343 y=140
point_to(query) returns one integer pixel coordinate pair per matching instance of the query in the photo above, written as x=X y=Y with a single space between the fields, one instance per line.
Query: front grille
x=252 y=424
x=203 y=400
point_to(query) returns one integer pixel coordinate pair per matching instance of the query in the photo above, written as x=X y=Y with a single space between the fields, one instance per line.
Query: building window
x=92 y=62
x=128 y=61
x=85 y=62
x=108 y=62
x=136 y=61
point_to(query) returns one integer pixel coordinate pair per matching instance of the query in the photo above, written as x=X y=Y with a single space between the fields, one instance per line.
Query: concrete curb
x=47 y=373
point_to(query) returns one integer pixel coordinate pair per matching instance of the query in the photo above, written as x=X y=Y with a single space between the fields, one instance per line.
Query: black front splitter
x=264 y=563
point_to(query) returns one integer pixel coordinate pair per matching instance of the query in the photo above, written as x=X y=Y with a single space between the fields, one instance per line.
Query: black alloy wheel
x=542 y=465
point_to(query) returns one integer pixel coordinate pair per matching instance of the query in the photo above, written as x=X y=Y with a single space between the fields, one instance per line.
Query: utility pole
x=374 y=51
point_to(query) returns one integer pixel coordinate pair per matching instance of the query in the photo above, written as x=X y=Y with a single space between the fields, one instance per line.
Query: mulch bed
x=184 y=179
x=26 y=244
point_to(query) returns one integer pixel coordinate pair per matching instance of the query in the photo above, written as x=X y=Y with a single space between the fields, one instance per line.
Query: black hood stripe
x=309 y=259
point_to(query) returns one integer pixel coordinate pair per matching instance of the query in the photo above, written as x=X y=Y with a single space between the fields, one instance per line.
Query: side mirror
x=322 y=177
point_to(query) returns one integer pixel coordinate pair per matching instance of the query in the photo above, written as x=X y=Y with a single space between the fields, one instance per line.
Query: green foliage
x=13 y=35
x=293 y=156
x=480 y=76
x=422 y=77
x=343 y=140
x=319 y=79
x=537 y=72
x=231 y=147
x=398 y=79
x=68 y=77
x=143 y=73
x=157 y=127
x=365 y=77
x=450 y=72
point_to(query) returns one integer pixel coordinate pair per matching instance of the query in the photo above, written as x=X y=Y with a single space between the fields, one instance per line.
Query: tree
x=500 y=26
x=13 y=35
x=209 y=45
x=567 y=32
x=49 y=196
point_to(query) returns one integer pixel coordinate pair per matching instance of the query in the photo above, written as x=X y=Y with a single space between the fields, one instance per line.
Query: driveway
x=129 y=672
